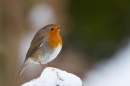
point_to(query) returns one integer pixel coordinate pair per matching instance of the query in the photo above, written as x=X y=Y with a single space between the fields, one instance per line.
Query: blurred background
x=96 y=39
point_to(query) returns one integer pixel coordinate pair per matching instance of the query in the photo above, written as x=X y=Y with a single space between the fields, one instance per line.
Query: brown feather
x=33 y=49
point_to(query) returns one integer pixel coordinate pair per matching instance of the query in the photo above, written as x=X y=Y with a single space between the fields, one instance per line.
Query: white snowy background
x=113 y=72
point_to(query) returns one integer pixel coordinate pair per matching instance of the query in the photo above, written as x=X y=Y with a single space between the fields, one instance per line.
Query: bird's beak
x=61 y=27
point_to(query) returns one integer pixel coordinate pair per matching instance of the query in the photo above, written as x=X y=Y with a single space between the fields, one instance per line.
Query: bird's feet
x=50 y=65
x=42 y=65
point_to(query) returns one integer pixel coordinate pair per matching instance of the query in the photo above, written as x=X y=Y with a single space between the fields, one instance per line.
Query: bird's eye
x=52 y=28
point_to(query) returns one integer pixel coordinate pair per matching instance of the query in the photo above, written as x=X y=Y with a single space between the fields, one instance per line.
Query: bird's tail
x=21 y=69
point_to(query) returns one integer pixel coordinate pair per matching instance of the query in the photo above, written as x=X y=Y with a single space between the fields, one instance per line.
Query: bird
x=44 y=47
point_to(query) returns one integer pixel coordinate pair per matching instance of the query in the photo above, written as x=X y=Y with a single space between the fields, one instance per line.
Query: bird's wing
x=33 y=48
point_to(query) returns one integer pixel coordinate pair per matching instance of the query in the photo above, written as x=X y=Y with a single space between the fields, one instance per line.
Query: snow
x=55 y=77
x=113 y=72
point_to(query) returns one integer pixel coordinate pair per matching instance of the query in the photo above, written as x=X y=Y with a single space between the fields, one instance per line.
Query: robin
x=44 y=47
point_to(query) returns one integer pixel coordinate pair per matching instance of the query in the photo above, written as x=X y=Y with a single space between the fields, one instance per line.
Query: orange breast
x=54 y=39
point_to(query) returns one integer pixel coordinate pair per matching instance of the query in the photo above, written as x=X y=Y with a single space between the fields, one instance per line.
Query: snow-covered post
x=55 y=77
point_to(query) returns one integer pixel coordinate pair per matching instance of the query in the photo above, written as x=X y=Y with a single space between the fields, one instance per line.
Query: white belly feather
x=51 y=55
